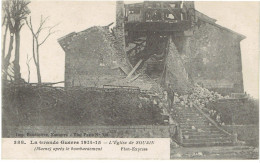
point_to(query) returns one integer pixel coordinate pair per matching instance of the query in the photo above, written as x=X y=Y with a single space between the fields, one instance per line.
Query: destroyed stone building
x=164 y=71
x=155 y=44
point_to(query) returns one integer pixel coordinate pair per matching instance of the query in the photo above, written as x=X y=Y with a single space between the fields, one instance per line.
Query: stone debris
x=174 y=144
x=177 y=155
x=201 y=97
x=186 y=136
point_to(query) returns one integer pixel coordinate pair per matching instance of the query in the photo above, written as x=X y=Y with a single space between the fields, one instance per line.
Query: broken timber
x=134 y=69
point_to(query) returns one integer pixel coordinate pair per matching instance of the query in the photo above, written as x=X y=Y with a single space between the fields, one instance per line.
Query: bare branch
x=36 y=43
x=41 y=24
x=21 y=26
x=4 y=21
x=49 y=34
x=30 y=26
x=28 y=67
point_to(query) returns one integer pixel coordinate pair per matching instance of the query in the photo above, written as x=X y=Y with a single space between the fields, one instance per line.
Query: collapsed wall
x=119 y=33
x=175 y=72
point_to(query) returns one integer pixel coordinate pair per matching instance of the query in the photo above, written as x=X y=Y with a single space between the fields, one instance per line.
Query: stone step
x=198 y=127
x=192 y=123
x=189 y=116
x=207 y=140
x=188 y=113
x=201 y=126
x=203 y=133
x=204 y=129
x=188 y=131
x=206 y=136
x=186 y=109
x=198 y=124
x=200 y=144
x=192 y=118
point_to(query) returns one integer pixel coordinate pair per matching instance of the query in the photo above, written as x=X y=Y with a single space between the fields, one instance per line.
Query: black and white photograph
x=130 y=80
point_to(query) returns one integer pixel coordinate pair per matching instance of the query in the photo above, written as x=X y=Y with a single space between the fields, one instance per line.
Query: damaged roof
x=212 y=21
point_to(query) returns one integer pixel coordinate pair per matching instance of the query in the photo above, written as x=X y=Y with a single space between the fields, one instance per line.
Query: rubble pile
x=222 y=109
x=202 y=97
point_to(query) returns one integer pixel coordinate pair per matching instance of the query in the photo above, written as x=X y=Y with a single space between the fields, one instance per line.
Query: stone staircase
x=196 y=130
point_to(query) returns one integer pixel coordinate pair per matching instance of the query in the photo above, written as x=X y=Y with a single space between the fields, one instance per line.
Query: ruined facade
x=163 y=43
x=91 y=59
x=207 y=53
x=212 y=56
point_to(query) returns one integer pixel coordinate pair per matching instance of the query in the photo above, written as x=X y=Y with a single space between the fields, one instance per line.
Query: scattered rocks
x=186 y=136
x=177 y=155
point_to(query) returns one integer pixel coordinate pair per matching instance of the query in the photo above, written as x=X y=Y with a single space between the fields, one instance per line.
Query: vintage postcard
x=130 y=80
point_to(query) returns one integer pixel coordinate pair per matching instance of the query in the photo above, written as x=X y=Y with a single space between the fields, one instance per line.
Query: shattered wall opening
x=161 y=60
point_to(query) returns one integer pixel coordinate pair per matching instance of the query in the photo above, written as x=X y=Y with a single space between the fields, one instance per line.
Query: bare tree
x=28 y=60
x=5 y=64
x=37 y=43
x=4 y=24
x=16 y=11
x=8 y=25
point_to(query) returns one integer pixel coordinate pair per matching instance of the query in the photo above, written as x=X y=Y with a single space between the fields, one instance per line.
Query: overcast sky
x=242 y=17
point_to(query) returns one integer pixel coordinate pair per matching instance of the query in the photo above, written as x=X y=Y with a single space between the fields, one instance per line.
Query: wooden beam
x=134 y=69
x=159 y=26
x=132 y=79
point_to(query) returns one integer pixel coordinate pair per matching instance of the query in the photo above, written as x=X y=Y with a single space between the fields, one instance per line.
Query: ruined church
x=153 y=45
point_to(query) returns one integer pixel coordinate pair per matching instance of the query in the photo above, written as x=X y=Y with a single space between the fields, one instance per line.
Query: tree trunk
x=17 y=74
x=39 y=74
x=29 y=73
x=28 y=68
x=38 y=65
x=6 y=61
x=4 y=42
